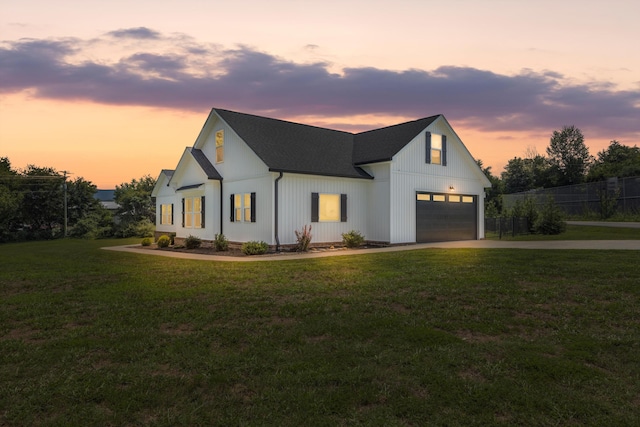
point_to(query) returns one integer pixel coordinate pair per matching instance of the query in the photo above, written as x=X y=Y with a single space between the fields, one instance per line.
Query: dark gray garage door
x=446 y=217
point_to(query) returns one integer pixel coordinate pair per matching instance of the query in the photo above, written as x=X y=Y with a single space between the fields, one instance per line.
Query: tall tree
x=517 y=176
x=617 y=160
x=43 y=202
x=135 y=201
x=568 y=156
x=494 y=199
x=10 y=200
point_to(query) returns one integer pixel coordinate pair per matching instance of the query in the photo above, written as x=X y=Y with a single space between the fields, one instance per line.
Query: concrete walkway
x=473 y=244
x=606 y=224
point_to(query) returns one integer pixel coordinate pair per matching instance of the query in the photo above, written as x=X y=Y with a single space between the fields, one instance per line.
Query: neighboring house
x=256 y=178
x=107 y=199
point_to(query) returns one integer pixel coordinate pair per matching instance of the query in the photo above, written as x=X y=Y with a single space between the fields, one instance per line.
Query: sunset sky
x=112 y=90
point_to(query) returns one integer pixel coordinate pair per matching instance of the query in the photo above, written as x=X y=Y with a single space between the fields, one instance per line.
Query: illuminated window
x=328 y=207
x=220 y=146
x=166 y=214
x=467 y=199
x=193 y=212
x=423 y=197
x=243 y=207
x=439 y=197
x=454 y=199
x=436 y=148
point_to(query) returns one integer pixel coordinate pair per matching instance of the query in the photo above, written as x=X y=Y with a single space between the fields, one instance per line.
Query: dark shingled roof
x=293 y=147
x=205 y=164
x=380 y=145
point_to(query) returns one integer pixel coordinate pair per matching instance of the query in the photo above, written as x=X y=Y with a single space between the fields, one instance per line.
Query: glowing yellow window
x=454 y=199
x=220 y=146
x=439 y=197
x=423 y=197
x=467 y=199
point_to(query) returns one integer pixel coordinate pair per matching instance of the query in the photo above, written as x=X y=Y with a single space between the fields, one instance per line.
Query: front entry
x=446 y=217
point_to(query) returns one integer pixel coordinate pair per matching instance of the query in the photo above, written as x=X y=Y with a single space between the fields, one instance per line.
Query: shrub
x=550 y=219
x=147 y=241
x=192 y=242
x=221 y=243
x=352 y=239
x=255 y=248
x=164 y=241
x=303 y=238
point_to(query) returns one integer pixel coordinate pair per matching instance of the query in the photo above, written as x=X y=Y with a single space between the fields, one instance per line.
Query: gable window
x=166 y=214
x=193 y=212
x=436 y=149
x=328 y=207
x=220 y=146
x=243 y=207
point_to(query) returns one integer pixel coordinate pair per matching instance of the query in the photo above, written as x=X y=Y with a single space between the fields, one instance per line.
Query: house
x=107 y=199
x=257 y=178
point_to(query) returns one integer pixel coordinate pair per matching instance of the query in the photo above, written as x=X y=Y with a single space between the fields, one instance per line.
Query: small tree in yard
x=551 y=219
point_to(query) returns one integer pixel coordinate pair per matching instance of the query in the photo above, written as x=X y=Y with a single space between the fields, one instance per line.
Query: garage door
x=446 y=217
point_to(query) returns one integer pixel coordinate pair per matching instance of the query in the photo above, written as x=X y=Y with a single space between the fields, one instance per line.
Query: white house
x=256 y=178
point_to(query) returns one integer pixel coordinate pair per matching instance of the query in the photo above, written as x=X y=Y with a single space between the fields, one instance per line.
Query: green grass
x=459 y=337
x=578 y=232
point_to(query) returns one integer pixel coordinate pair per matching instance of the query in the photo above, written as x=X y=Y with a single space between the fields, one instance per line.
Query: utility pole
x=65 y=202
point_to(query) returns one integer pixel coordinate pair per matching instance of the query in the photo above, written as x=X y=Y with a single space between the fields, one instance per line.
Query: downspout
x=221 y=216
x=275 y=224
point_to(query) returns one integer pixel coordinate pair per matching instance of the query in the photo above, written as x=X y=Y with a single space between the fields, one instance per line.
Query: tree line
x=567 y=162
x=32 y=206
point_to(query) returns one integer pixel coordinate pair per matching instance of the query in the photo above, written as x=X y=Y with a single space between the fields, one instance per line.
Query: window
x=436 y=149
x=243 y=207
x=454 y=199
x=423 y=197
x=193 y=212
x=166 y=214
x=328 y=207
x=467 y=199
x=220 y=146
x=439 y=197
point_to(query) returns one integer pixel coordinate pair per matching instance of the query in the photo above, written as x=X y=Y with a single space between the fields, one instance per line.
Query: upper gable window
x=436 y=148
x=220 y=146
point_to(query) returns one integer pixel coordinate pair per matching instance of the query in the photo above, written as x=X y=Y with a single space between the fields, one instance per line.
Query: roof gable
x=292 y=147
x=380 y=145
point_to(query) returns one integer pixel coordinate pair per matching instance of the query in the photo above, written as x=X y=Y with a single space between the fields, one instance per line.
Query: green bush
x=352 y=239
x=147 y=241
x=303 y=238
x=255 y=248
x=192 y=242
x=221 y=243
x=164 y=241
x=551 y=219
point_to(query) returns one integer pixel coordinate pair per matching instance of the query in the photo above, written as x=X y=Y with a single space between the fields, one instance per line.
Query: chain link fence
x=620 y=195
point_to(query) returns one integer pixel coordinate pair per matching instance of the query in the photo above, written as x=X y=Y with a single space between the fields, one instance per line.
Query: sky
x=113 y=90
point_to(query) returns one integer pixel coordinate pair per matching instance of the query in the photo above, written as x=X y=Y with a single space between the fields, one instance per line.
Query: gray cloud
x=196 y=77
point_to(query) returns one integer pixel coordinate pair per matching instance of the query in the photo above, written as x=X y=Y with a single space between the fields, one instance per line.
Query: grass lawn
x=456 y=337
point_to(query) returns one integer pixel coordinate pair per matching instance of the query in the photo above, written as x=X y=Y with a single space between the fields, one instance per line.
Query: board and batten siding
x=410 y=173
x=294 y=210
x=261 y=230
x=378 y=202
x=239 y=160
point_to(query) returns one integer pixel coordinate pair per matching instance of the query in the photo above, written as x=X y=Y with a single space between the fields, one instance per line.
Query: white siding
x=295 y=207
x=378 y=202
x=165 y=196
x=261 y=230
x=411 y=173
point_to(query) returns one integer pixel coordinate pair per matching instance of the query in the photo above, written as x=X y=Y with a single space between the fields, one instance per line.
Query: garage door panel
x=445 y=221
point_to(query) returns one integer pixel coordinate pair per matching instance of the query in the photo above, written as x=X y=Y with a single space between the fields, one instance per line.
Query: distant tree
x=517 y=176
x=42 y=210
x=493 y=201
x=617 y=160
x=568 y=156
x=137 y=210
x=80 y=199
x=10 y=201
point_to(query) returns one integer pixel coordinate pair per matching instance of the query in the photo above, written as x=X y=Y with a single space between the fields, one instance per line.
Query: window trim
x=239 y=211
x=430 y=150
x=189 y=217
x=166 y=218
x=316 y=203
